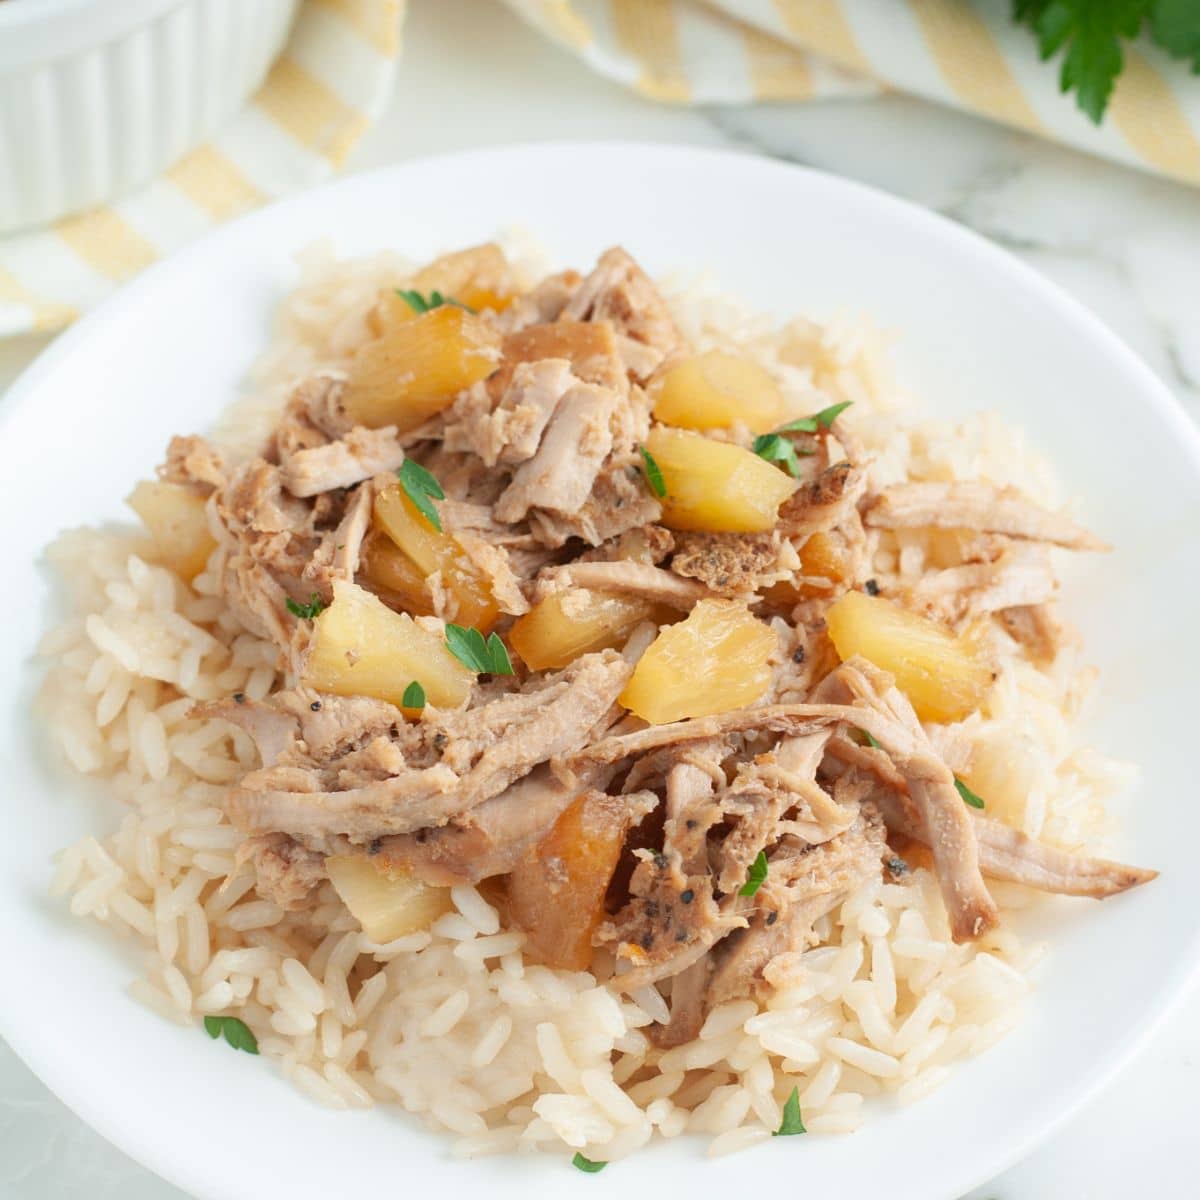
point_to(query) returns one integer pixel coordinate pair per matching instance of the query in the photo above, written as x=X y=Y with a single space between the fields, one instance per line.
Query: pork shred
x=544 y=496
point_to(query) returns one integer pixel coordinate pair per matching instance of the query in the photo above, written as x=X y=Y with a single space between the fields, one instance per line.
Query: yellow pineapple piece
x=716 y=486
x=944 y=676
x=361 y=648
x=557 y=630
x=416 y=367
x=387 y=901
x=390 y=573
x=716 y=390
x=178 y=524
x=479 y=277
x=713 y=662
x=430 y=551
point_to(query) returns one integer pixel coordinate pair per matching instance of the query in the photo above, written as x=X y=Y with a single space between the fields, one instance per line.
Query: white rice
x=452 y=1024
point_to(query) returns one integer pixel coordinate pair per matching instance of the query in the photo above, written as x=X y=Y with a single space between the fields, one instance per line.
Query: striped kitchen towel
x=966 y=53
x=331 y=81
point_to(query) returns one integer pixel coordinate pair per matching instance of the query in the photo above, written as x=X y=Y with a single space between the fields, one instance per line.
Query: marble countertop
x=1126 y=245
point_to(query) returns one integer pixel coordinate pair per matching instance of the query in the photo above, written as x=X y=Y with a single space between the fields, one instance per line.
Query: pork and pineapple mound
x=692 y=715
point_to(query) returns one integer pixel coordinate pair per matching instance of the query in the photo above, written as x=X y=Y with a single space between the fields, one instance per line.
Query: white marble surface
x=1127 y=245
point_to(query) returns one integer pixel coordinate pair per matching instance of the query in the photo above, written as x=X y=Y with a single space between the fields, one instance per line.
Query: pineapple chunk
x=388 y=902
x=945 y=677
x=176 y=519
x=716 y=390
x=716 y=486
x=394 y=576
x=479 y=277
x=361 y=648
x=430 y=551
x=713 y=662
x=556 y=895
x=565 y=625
x=415 y=368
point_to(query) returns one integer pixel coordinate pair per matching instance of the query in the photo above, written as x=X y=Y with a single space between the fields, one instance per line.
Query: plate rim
x=1088 y=326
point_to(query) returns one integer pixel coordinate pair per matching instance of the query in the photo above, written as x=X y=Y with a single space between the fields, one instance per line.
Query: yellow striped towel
x=331 y=81
x=966 y=53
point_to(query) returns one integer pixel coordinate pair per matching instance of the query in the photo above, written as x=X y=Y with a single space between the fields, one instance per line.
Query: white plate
x=976 y=330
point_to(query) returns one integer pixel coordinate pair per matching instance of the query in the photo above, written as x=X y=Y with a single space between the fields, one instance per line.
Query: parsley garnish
x=870 y=740
x=422 y=489
x=968 y=796
x=791 y=1122
x=306 y=612
x=774 y=447
x=1091 y=33
x=653 y=473
x=756 y=876
x=822 y=420
x=414 y=696
x=237 y=1033
x=419 y=304
x=486 y=657
x=586 y=1164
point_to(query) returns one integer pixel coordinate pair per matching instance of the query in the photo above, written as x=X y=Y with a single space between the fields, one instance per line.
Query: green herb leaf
x=414 y=696
x=870 y=740
x=484 y=657
x=791 y=1123
x=773 y=447
x=756 y=876
x=968 y=796
x=422 y=489
x=237 y=1033
x=1175 y=25
x=306 y=612
x=586 y=1164
x=419 y=304
x=653 y=474
x=822 y=420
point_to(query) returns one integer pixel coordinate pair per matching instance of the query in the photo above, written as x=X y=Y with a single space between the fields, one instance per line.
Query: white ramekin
x=99 y=96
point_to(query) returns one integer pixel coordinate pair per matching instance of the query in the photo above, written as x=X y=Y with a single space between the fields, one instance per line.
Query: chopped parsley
x=791 y=1122
x=237 y=1033
x=585 y=1164
x=485 y=657
x=774 y=447
x=414 y=696
x=870 y=740
x=968 y=796
x=306 y=612
x=756 y=876
x=422 y=489
x=822 y=420
x=419 y=304
x=653 y=473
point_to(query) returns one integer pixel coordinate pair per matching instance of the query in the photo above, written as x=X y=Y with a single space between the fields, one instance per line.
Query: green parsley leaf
x=419 y=304
x=488 y=657
x=306 y=612
x=870 y=740
x=756 y=876
x=822 y=420
x=586 y=1164
x=237 y=1033
x=414 y=696
x=653 y=474
x=791 y=1122
x=422 y=489
x=1175 y=25
x=773 y=447
x=967 y=795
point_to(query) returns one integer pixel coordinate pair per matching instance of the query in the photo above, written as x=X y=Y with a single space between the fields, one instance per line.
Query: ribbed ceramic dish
x=99 y=96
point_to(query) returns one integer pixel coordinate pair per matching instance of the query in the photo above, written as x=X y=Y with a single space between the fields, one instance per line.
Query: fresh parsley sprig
x=821 y=420
x=791 y=1123
x=421 y=304
x=756 y=876
x=653 y=473
x=414 y=696
x=422 y=489
x=1091 y=33
x=306 y=612
x=778 y=448
x=585 y=1164
x=237 y=1032
x=484 y=657
x=967 y=795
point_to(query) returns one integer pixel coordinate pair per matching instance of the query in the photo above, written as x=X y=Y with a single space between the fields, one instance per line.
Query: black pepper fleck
x=871 y=588
x=897 y=866
x=692 y=823
x=687 y=896
x=439 y=741
x=647 y=941
x=772 y=917
x=374 y=846
x=798 y=654
x=239 y=697
x=660 y=861
x=681 y=935
x=315 y=706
